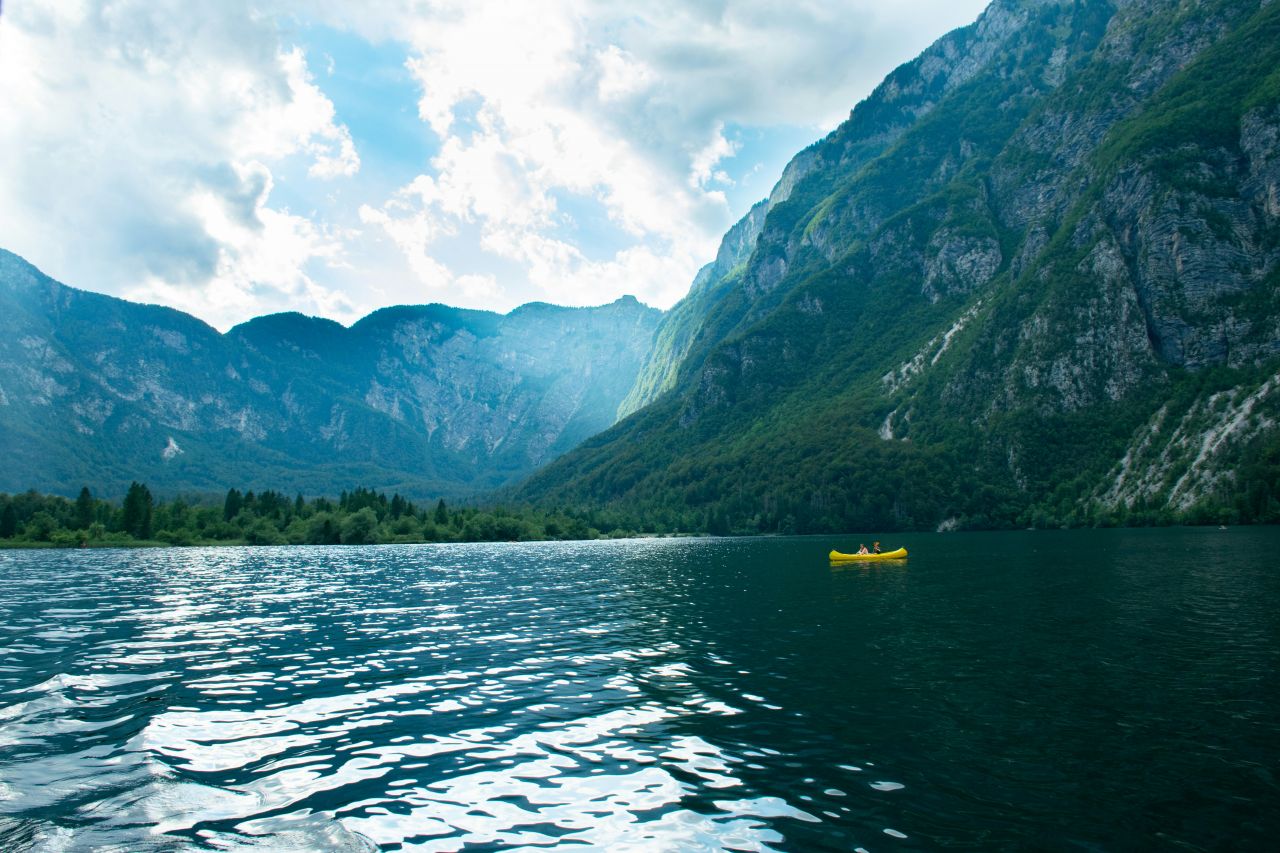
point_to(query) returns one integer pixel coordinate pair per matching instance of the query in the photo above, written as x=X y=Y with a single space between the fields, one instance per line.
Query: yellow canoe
x=900 y=554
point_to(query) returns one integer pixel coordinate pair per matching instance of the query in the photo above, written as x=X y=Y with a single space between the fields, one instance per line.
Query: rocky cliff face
x=1046 y=246
x=425 y=399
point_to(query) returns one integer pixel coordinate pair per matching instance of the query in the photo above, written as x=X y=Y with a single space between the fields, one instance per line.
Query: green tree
x=263 y=532
x=136 y=517
x=178 y=511
x=231 y=506
x=41 y=526
x=360 y=528
x=406 y=527
x=8 y=521
x=323 y=529
x=84 y=509
x=442 y=514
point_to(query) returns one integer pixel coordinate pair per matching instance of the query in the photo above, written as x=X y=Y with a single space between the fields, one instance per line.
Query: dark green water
x=1109 y=690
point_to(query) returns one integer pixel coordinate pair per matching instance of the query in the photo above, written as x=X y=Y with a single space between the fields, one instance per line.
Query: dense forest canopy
x=359 y=517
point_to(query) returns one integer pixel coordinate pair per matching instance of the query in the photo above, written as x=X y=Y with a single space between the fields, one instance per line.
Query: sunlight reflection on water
x=343 y=698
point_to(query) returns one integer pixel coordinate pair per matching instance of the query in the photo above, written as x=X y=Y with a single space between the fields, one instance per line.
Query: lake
x=1083 y=690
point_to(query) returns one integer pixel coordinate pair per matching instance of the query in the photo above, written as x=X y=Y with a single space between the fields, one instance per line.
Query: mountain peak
x=989 y=296
x=424 y=400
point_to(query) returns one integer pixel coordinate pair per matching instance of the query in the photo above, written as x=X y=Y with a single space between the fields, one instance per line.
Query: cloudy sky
x=242 y=157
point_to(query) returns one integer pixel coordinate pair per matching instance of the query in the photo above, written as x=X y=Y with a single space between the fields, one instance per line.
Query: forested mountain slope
x=427 y=400
x=1032 y=279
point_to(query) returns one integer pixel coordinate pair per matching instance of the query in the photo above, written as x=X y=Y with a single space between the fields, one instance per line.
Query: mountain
x=1033 y=279
x=427 y=400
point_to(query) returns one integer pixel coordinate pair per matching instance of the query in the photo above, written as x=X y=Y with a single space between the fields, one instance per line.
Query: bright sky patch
x=239 y=158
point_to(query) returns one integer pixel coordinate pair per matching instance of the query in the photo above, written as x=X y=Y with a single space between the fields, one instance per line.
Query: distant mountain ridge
x=427 y=400
x=1034 y=278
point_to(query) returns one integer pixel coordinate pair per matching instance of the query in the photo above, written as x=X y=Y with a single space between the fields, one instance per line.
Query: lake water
x=1047 y=690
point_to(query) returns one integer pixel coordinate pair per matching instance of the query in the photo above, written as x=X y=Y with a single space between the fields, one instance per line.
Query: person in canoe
x=863 y=554
x=875 y=547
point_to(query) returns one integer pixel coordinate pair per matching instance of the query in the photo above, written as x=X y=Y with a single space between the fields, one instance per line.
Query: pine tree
x=137 y=511
x=8 y=522
x=178 y=512
x=442 y=514
x=84 y=509
x=231 y=506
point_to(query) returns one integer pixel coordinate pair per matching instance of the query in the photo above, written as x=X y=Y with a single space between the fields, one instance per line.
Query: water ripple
x=351 y=699
x=644 y=695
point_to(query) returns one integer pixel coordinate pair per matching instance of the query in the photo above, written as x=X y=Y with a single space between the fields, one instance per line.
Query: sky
x=244 y=157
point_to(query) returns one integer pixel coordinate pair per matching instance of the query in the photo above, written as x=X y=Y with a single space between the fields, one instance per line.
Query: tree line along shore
x=366 y=516
x=358 y=517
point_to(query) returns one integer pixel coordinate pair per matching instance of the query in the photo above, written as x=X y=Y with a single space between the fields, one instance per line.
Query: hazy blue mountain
x=426 y=400
x=1033 y=278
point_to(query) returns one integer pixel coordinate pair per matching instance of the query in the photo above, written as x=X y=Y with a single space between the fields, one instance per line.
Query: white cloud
x=621 y=75
x=140 y=140
x=702 y=170
x=520 y=96
x=261 y=260
x=405 y=220
x=148 y=143
x=626 y=105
